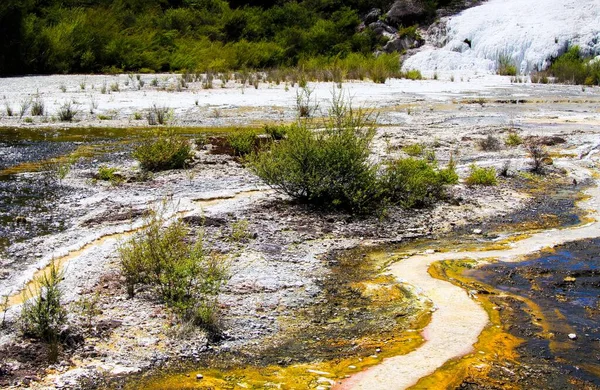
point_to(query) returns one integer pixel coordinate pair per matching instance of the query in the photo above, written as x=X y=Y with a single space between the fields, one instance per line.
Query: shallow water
x=564 y=286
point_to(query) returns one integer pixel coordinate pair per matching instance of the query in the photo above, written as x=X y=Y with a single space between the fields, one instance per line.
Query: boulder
x=406 y=12
x=401 y=44
x=380 y=28
x=372 y=16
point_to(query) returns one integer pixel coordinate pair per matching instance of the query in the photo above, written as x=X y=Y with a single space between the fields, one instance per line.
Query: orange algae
x=494 y=343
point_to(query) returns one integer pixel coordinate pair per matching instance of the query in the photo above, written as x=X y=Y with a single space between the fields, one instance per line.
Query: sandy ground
x=279 y=269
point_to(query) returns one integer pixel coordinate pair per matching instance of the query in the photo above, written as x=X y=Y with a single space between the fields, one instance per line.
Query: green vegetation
x=109 y=174
x=37 y=107
x=239 y=231
x=414 y=150
x=481 y=176
x=413 y=183
x=179 y=271
x=506 y=67
x=158 y=115
x=276 y=132
x=112 y=36
x=43 y=313
x=330 y=167
x=573 y=68
x=162 y=151
x=242 y=142
x=513 y=139
x=67 y=112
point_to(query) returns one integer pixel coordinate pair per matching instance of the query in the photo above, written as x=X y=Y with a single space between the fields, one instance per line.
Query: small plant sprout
x=93 y=104
x=63 y=87
x=9 y=110
x=305 y=106
x=38 y=107
x=239 y=231
x=481 y=176
x=538 y=154
x=24 y=106
x=4 y=308
x=67 y=112
x=158 y=115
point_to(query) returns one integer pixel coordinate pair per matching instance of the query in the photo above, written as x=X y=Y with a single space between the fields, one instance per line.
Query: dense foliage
x=52 y=36
x=331 y=167
x=572 y=67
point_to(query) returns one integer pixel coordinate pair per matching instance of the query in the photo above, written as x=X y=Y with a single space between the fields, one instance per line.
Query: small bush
x=412 y=182
x=38 y=107
x=538 y=154
x=305 y=106
x=413 y=74
x=327 y=168
x=506 y=67
x=180 y=272
x=158 y=115
x=489 y=143
x=67 y=112
x=481 y=176
x=43 y=314
x=165 y=150
x=276 y=132
x=239 y=231
x=242 y=142
x=513 y=139
x=414 y=150
x=109 y=174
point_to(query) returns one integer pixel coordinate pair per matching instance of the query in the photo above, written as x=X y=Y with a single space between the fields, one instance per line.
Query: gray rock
x=401 y=44
x=381 y=28
x=372 y=16
x=406 y=12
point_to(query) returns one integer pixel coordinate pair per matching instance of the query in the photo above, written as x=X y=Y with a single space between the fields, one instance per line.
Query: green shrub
x=165 y=150
x=180 y=272
x=242 y=142
x=66 y=112
x=506 y=67
x=43 y=313
x=276 y=132
x=329 y=167
x=569 y=67
x=413 y=74
x=109 y=174
x=413 y=182
x=414 y=150
x=38 y=107
x=481 y=176
x=513 y=139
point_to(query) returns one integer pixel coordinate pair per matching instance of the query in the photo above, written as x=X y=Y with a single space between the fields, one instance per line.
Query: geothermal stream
x=108 y=242
x=458 y=319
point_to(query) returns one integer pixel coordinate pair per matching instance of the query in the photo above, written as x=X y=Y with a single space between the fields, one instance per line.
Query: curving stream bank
x=458 y=319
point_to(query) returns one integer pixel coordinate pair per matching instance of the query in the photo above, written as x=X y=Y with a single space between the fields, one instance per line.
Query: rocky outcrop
x=406 y=12
x=401 y=44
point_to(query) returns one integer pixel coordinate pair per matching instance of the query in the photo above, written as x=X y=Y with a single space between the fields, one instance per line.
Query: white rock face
x=528 y=32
